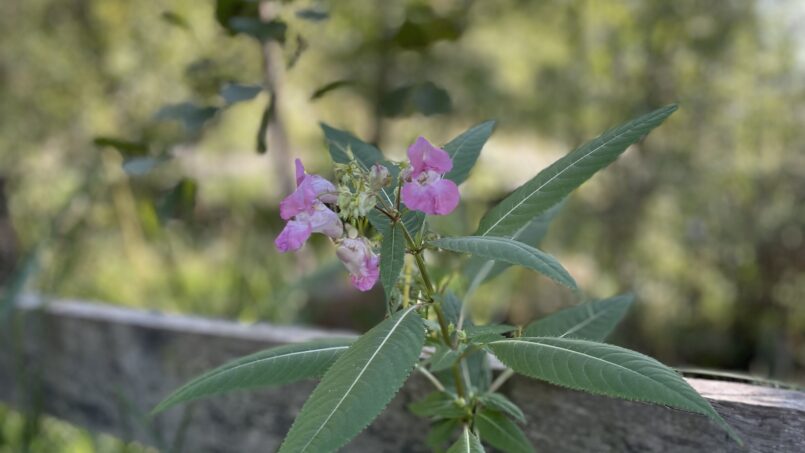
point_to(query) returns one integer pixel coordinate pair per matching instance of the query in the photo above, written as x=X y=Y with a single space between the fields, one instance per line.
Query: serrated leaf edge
x=562 y=171
x=169 y=401
x=498 y=428
x=358 y=377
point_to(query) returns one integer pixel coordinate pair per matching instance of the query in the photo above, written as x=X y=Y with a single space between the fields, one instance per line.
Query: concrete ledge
x=104 y=367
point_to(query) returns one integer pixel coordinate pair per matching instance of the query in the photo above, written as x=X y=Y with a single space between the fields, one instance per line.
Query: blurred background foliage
x=131 y=171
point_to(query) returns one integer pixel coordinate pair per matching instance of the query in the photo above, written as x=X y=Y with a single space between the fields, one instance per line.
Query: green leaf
x=179 y=203
x=139 y=166
x=509 y=251
x=451 y=305
x=274 y=30
x=500 y=403
x=554 y=183
x=272 y=367
x=467 y=443
x=392 y=257
x=193 y=117
x=588 y=321
x=426 y=98
x=479 y=270
x=444 y=358
x=176 y=20
x=499 y=329
x=501 y=433
x=312 y=14
x=340 y=143
x=237 y=92
x=437 y=405
x=440 y=433
x=358 y=385
x=602 y=369
x=126 y=147
x=465 y=149
x=478 y=370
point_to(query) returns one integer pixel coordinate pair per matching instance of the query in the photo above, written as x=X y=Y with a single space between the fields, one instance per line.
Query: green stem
x=443 y=326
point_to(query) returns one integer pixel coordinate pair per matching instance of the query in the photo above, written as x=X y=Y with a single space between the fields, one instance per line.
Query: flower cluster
x=318 y=206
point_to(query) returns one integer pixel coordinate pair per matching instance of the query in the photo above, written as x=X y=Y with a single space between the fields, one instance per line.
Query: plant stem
x=431 y=378
x=443 y=326
x=498 y=383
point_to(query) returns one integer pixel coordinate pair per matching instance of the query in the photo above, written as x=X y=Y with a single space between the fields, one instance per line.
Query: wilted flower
x=361 y=262
x=425 y=188
x=306 y=212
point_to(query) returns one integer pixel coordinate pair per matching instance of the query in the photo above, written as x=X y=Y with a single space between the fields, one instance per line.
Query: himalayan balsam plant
x=375 y=213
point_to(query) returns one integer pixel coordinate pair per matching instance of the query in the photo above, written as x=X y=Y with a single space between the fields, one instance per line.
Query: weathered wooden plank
x=104 y=367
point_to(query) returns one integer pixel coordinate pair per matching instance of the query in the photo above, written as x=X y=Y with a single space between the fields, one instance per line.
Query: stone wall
x=105 y=367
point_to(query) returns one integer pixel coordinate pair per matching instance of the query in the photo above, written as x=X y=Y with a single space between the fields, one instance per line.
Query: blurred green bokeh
x=704 y=221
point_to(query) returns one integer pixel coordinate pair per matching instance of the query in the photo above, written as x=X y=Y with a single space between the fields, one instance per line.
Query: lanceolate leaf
x=565 y=175
x=341 y=143
x=602 y=369
x=501 y=433
x=392 y=257
x=236 y=92
x=437 y=405
x=444 y=358
x=588 y=321
x=440 y=433
x=479 y=270
x=467 y=443
x=500 y=403
x=499 y=329
x=272 y=367
x=465 y=148
x=509 y=251
x=358 y=385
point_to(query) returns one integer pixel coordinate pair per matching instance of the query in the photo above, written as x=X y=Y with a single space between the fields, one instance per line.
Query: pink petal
x=300 y=172
x=299 y=201
x=368 y=276
x=424 y=156
x=324 y=189
x=323 y=220
x=439 y=197
x=361 y=262
x=293 y=236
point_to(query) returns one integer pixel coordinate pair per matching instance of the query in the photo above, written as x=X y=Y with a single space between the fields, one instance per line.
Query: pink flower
x=361 y=262
x=323 y=188
x=306 y=212
x=425 y=188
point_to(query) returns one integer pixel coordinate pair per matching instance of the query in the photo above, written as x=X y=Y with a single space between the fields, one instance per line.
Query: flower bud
x=379 y=177
x=361 y=262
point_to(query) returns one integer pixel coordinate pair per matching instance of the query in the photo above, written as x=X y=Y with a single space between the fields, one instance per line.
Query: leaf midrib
x=582 y=324
x=357 y=378
x=566 y=280
x=523 y=340
x=466 y=437
x=515 y=244
x=458 y=148
x=214 y=375
x=559 y=173
x=283 y=356
x=498 y=427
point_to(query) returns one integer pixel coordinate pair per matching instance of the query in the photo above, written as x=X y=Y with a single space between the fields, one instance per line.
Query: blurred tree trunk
x=273 y=74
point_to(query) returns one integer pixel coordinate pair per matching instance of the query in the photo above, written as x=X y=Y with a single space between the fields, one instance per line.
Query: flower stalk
x=437 y=309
